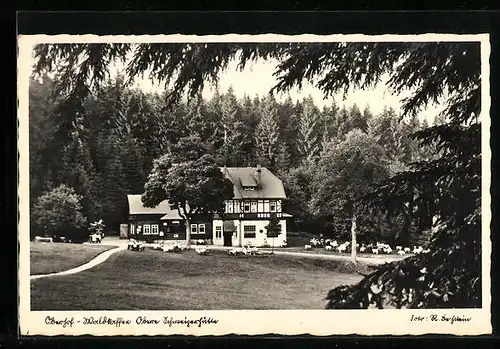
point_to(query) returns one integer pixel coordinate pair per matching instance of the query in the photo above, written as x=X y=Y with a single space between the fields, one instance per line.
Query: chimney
x=258 y=175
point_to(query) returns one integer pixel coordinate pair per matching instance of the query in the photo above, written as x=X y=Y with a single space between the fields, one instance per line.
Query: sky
x=257 y=79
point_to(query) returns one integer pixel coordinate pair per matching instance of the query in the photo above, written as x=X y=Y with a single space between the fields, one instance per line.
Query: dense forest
x=120 y=130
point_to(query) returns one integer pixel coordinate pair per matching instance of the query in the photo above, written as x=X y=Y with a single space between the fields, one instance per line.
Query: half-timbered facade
x=258 y=194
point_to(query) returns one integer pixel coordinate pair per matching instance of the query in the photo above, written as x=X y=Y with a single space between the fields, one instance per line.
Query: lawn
x=153 y=280
x=48 y=258
x=298 y=239
x=319 y=250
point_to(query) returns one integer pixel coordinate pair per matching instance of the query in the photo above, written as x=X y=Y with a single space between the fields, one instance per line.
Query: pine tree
x=235 y=132
x=439 y=119
x=344 y=123
x=78 y=170
x=283 y=159
x=43 y=143
x=288 y=124
x=249 y=118
x=308 y=132
x=267 y=133
x=358 y=120
x=329 y=122
x=367 y=116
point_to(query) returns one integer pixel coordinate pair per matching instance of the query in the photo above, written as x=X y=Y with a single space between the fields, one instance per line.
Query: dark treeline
x=109 y=150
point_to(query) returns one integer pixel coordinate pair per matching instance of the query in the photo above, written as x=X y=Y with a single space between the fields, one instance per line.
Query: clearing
x=154 y=280
x=46 y=258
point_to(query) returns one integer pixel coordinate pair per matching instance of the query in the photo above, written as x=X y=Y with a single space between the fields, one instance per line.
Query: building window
x=154 y=229
x=176 y=222
x=229 y=207
x=253 y=207
x=272 y=206
x=218 y=231
x=132 y=229
x=249 y=231
x=146 y=229
x=246 y=207
x=197 y=228
x=260 y=206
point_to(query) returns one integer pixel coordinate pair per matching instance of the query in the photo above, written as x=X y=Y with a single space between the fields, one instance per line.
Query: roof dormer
x=248 y=182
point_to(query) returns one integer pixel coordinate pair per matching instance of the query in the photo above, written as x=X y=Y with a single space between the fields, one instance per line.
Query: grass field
x=319 y=250
x=48 y=258
x=152 y=280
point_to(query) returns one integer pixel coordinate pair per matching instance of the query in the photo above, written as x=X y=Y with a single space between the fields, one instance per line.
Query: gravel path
x=366 y=260
x=90 y=264
x=121 y=245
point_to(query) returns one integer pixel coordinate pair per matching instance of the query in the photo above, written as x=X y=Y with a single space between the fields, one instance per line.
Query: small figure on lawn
x=135 y=245
x=95 y=238
x=96 y=230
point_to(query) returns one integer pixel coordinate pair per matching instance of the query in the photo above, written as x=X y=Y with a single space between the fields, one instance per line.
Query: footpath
x=338 y=257
x=121 y=245
x=90 y=264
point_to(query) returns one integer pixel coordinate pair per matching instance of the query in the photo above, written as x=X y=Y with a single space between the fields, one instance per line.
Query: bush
x=58 y=212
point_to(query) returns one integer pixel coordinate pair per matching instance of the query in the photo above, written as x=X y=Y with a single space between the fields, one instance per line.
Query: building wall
x=260 y=239
x=207 y=222
x=217 y=233
x=175 y=230
x=171 y=230
x=253 y=206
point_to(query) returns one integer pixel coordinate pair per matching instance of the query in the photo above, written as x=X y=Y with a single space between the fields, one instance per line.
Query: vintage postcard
x=254 y=184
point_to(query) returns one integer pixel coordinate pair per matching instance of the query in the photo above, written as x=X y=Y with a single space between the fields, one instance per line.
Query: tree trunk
x=353 y=238
x=240 y=235
x=188 y=231
x=404 y=235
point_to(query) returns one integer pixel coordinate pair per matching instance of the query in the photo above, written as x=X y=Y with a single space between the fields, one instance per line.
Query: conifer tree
x=308 y=131
x=267 y=133
x=344 y=123
x=329 y=122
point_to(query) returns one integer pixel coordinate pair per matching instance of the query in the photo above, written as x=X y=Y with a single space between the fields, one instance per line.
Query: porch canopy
x=229 y=226
x=172 y=215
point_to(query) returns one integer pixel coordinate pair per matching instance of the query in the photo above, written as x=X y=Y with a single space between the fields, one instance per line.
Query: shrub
x=58 y=212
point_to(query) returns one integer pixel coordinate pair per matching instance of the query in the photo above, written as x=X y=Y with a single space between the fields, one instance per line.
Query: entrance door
x=228 y=239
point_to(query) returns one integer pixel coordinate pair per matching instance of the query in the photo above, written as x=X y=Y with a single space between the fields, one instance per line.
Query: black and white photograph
x=209 y=180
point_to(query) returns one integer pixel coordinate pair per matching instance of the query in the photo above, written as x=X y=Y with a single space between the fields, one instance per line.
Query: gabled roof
x=172 y=215
x=270 y=186
x=136 y=206
x=248 y=181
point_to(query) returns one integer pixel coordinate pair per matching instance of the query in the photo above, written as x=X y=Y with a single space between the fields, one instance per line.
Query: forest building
x=257 y=194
